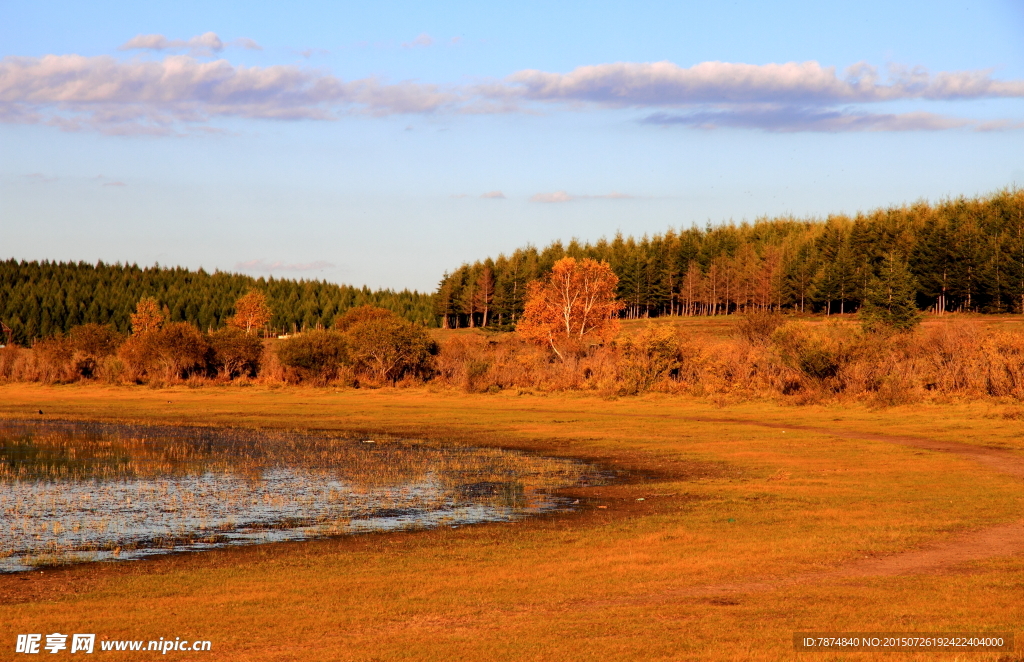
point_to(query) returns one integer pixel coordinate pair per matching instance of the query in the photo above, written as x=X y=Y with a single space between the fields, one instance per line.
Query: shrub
x=181 y=350
x=53 y=358
x=648 y=357
x=236 y=352
x=816 y=354
x=314 y=355
x=96 y=340
x=92 y=343
x=176 y=350
x=387 y=347
x=757 y=326
x=360 y=314
x=138 y=354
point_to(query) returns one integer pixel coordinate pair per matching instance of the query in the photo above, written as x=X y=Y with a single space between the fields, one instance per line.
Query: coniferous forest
x=962 y=255
x=41 y=299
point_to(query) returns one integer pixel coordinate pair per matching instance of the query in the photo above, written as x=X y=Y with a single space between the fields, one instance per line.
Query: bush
x=53 y=358
x=648 y=357
x=386 y=347
x=816 y=354
x=757 y=326
x=236 y=352
x=314 y=355
x=173 y=352
x=181 y=351
x=360 y=314
x=92 y=343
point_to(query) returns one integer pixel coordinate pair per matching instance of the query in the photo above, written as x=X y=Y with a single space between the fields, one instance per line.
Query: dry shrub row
x=369 y=344
x=768 y=357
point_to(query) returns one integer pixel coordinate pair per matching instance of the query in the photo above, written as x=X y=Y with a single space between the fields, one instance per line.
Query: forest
x=42 y=299
x=965 y=255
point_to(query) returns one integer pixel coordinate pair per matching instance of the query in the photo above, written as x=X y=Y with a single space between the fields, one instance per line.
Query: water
x=72 y=492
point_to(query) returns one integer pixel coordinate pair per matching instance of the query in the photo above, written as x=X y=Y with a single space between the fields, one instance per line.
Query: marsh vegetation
x=88 y=491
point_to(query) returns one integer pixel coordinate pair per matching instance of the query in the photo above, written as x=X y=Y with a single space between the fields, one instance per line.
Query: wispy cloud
x=183 y=92
x=262 y=266
x=39 y=177
x=422 y=41
x=204 y=44
x=75 y=92
x=494 y=195
x=789 y=119
x=667 y=84
x=557 y=196
x=1000 y=125
x=118 y=184
x=804 y=96
x=310 y=52
x=247 y=44
x=562 y=196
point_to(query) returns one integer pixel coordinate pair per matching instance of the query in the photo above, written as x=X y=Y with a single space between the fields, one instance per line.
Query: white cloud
x=494 y=195
x=204 y=44
x=39 y=177
x=790 y=119
x=614 y=195
x=310 y=52
x=263 y=266
x=794 y=96
x=562 y=196
x=649 y=84
x=422 y=41
x=1000 y=125
x=102 y=93
x=182 y=93
x=557 y=196
x=247 y=44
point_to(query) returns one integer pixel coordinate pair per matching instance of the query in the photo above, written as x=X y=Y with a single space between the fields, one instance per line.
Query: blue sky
x=383 y=143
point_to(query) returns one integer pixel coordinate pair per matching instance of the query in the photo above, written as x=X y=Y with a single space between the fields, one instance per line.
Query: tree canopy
x=574 y=303
x=40 y=299
x=964 y=254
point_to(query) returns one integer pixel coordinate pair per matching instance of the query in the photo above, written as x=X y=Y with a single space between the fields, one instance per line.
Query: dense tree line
x=962 y=254
x=41 y=299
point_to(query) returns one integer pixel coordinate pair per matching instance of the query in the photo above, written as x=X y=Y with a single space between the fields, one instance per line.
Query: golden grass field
x=757 y=520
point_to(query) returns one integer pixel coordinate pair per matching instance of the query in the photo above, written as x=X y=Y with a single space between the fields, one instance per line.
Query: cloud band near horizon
x=138 y=96
x=262 y=266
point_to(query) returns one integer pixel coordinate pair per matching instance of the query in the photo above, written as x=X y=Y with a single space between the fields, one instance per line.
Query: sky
x=385 y=143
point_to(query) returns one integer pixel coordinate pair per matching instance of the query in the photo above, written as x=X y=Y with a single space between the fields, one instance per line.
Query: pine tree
x=890 y=299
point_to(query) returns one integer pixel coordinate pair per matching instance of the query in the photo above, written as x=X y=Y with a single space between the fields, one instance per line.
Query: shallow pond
x=91 y=491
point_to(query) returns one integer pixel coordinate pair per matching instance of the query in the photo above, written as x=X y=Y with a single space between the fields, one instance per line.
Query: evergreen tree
x=890 y=301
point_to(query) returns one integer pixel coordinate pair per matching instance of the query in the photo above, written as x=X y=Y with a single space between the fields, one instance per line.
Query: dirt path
x=1002 y=540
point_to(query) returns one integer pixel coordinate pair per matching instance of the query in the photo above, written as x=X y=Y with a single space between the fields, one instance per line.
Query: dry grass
x=726 y=499
x=791 y=359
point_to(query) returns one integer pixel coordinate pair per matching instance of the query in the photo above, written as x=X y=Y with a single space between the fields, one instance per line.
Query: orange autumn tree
x=251 y=312
x=147 y=316
x=571 y=305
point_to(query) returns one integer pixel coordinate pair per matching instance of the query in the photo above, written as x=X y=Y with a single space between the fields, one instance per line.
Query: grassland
x=756 y=520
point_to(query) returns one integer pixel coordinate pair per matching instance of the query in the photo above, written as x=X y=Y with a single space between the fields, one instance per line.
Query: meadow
x=737 y=522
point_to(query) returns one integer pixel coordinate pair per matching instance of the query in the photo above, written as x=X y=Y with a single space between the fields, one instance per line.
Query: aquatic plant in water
x=89 y=491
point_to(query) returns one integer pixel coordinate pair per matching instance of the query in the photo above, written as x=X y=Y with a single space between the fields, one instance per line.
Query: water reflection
x=87 y=491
